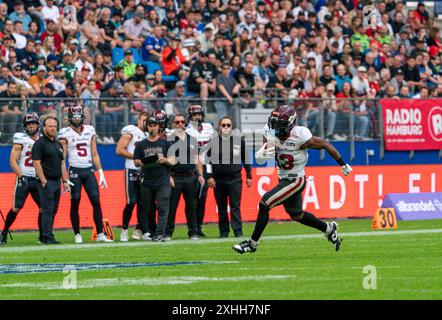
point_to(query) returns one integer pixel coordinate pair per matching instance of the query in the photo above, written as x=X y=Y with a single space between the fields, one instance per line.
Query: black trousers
x=229 y=190
x=201 y=198
x=159 y=195
x=49 y=199
x=186 y=186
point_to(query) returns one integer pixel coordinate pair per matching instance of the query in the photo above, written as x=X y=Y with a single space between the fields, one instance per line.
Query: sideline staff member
x=226 y=154
x=47 y=156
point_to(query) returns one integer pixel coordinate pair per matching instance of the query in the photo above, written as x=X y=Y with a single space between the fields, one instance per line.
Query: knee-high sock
x=98 y=214
x=261 y=221
x=75 y=217
x=310 y=220
x=127 y=214
x=10 y=218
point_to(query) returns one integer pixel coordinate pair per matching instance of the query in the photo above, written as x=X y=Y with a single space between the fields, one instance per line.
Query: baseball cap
x=180 y=84
x=128 y=51
x=150 y=77
x=208 y=29
x=188 y=43
x=176 y=38
x=70 y=85
x=138 y=14
x=330 y=87
x=360 y=6
x=74 y=41
x=362 y=69
x=170 y=9
x=50 y=86
x=67 y=52
x=118 y=87
x=41 y=68
x=58 y=67
x=400 y=72
x=51 y=57
x=16 y=65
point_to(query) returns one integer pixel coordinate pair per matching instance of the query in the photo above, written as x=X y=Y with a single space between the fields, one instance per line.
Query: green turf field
x=292 y=262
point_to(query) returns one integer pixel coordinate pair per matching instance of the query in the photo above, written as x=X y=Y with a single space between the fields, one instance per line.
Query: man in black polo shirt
x=47 y=157
x=183 y=176
x=151 y=155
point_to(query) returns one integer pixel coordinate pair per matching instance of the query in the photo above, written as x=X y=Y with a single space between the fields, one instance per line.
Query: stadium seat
x=117 y=55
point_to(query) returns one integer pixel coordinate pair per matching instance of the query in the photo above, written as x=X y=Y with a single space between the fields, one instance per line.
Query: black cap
x=128 y=51
x=399 y=71
x=50 y=86
x=176 y=38
x=70 y=85
x=170 y=9
x=17 y=3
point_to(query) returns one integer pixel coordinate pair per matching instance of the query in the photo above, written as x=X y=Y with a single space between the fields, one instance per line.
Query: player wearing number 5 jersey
x=21 y=164
x=288 y=143
x=80 y=144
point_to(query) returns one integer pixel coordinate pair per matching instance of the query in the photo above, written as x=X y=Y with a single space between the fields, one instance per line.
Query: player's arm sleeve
x=305 y=135
x=17 y=139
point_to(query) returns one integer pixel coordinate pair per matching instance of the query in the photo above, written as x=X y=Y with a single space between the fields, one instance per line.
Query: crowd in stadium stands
x=288 y=49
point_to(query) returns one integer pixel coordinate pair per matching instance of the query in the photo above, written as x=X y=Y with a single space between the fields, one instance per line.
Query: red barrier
x=412 y=124
x=327 y=194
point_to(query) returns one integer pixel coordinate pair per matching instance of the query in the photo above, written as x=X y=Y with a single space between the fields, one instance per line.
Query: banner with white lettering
x=415 y=206
x=411 y=124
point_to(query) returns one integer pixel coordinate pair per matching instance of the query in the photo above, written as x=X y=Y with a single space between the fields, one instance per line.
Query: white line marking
x=205 y=241
x=152 y=281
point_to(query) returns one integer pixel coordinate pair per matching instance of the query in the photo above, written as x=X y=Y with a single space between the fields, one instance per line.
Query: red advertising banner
x=412 y=124
x=328 y=194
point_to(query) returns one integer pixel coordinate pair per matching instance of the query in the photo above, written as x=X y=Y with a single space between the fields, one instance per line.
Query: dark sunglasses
x=226 y=125
x=179 y=122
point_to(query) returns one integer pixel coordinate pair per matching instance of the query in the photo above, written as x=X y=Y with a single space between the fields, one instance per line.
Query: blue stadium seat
x=117 y=55
x=137 y=55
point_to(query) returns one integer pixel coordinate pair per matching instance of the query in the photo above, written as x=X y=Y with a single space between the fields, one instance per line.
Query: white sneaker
x=101 y=237
x=78 y=238
x=137 y=234
x=124 y=236
x=146 y=237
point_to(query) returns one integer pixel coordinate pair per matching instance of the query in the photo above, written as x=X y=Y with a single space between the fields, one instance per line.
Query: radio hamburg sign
x=415 y=206
x=412 y=124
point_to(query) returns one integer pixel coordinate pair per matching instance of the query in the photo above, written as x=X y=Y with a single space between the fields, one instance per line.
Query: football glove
x=265 y=153
x=103 y=183
x=346 y=169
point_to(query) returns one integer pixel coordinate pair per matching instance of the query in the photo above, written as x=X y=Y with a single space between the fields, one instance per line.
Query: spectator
x=10 y=113
x=57 y=79
x=153 y=45
x=202 y=77
x=20 y=39
x=83 y=61
x=360 y=115
x=412 y=75
x=67 y=66
x=108 y=31
x=112 y=106
x=360 y=83
x=42 y=104
x=20 y=14
x=178 y=99
x=90 y=29
x=134 y=28
x=50 y=11
x=206 y=39
x=127 y=63
x=227 y=88
x=173 y=58
x=343 y=112
x=38 y=80
x=50 y=32
x=139 y=75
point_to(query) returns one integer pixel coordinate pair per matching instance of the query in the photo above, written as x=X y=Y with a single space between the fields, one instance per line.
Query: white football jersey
x=25 y=162
x=290 y=158
x=137 y=135
x=202 y=136
x=79 y=150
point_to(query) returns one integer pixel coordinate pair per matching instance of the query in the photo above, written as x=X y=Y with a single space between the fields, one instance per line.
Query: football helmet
x=76 y=115
x=282 y=120
x=31 y=118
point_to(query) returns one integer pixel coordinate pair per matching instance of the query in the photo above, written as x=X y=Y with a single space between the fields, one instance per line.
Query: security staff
x=183 y=176
x=47 y=156
x=151 y=155
x=226 y=154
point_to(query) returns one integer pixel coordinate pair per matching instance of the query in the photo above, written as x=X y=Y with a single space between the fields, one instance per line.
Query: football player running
x=21 y=163
x=80 y=145
x=130 y=136
x=290 y=143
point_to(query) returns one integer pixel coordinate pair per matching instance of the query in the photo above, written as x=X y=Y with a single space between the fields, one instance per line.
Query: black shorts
x=288 y=193
x=83 y=177
x=132 y=185
x=21 y=192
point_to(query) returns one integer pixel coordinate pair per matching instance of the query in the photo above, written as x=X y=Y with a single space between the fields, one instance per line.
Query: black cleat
x=333 y=236
x=50 y=241
x=245 y=246
x=201 y=234
x=4 y=238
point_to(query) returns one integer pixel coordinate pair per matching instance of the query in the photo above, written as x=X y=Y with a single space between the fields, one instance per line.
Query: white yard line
x=146 y=281
x=5 y=249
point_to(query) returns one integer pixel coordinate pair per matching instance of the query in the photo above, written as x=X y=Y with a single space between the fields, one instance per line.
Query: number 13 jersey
x=291 y=160
x=25 y=162
x=78 y=144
